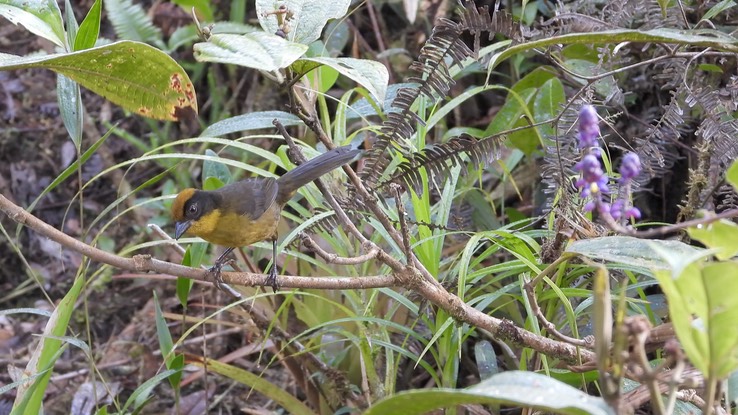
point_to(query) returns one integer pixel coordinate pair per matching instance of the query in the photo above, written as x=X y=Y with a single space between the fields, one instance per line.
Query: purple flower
x=589 y=128
x=616 y=210
x=630 y=167
x=632 y=213
x=593 y=179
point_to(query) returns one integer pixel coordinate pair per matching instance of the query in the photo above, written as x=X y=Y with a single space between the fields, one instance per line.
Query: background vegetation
x=472 y=261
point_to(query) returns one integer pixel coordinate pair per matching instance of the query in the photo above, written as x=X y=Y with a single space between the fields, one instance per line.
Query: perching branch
x=408 y=277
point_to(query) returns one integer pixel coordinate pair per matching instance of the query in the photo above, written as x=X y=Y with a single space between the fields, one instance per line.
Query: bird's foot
x=215 y=272
x=271 y=280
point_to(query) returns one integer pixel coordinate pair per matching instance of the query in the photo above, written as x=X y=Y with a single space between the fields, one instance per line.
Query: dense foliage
x=542 y=218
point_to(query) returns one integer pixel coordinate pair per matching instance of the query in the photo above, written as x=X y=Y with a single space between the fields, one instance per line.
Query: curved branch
x=145 y=263
x=409 y=277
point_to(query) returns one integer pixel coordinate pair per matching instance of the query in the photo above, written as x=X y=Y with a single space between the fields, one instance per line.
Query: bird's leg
x=272 y=278
x=218 y=267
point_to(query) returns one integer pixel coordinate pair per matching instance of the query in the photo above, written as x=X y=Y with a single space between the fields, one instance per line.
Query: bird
x=248 y=211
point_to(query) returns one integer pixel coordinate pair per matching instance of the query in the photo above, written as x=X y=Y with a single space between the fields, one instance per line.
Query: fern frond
x=439 y=159
x=434 y=78
x=131 y=22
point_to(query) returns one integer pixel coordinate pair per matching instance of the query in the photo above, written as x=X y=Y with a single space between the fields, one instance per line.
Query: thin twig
x=335 y=259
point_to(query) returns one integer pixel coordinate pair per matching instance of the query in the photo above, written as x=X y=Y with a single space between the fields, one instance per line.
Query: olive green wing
x=251 y=197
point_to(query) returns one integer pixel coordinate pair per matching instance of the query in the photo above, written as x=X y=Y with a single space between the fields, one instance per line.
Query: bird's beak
x=181 y=227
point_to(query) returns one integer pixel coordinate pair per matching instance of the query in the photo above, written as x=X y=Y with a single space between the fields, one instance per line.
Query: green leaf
x=707 y=38
x=258 y=50
x=90 y=28
x=547 y=104
x=41 y=17
x=172 y=360
x=212 y=183
x=114 y=71
x=515 y=113
x=535 y=79
x=215 y=169
x=71 y=24
x=719 y=236
x=257 y=383
x=48 y=350
x=70 y=108
x=718 y=8
x=68 y=94
x=201 y=6
x=370 y=74
x=183 y=288
x=732 y=175
x=307 y=17
x=663 y=4
x=637 y=253
x=516 y=388
x=142 y=393
x=605 y=87
x=486 y=359
x=514 y=108
x=251 y=121
x=703 y=308
x=166 y=345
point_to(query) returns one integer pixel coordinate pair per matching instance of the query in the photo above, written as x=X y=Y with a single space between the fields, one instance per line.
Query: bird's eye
x=192 y=209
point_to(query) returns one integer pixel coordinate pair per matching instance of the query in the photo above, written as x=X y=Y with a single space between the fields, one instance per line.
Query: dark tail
x=312 y=169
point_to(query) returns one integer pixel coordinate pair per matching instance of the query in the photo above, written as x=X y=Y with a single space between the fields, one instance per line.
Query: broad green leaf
x=212 y=168
x=70 y=107
x=605 y=87
x=258 y=50
x=338 y=34
x=511 y=111
x=70 y=23
x=535 y=79
x=703 y=308
x=115 y=72
x=720 y=236
x=371 y=75
x=732 y=175
x=258 y=383
x=515 y=113
x=68 y=93
x=638 y=253
x=720 y=280
x=41 y=17
x=486 y=359
x=251 y=121
x=212 y=183
x=90 y=28
x=201 y=6
x=518 y=388
x=711 y=38
x=307 y=17
x=547 y=104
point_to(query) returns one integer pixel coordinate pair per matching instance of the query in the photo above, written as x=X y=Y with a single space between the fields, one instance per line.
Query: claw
x=216 y=269
x=271 y=280
x=215 y=273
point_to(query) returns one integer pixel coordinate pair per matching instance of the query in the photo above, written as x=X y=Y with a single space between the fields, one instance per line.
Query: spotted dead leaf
x=134 y=75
